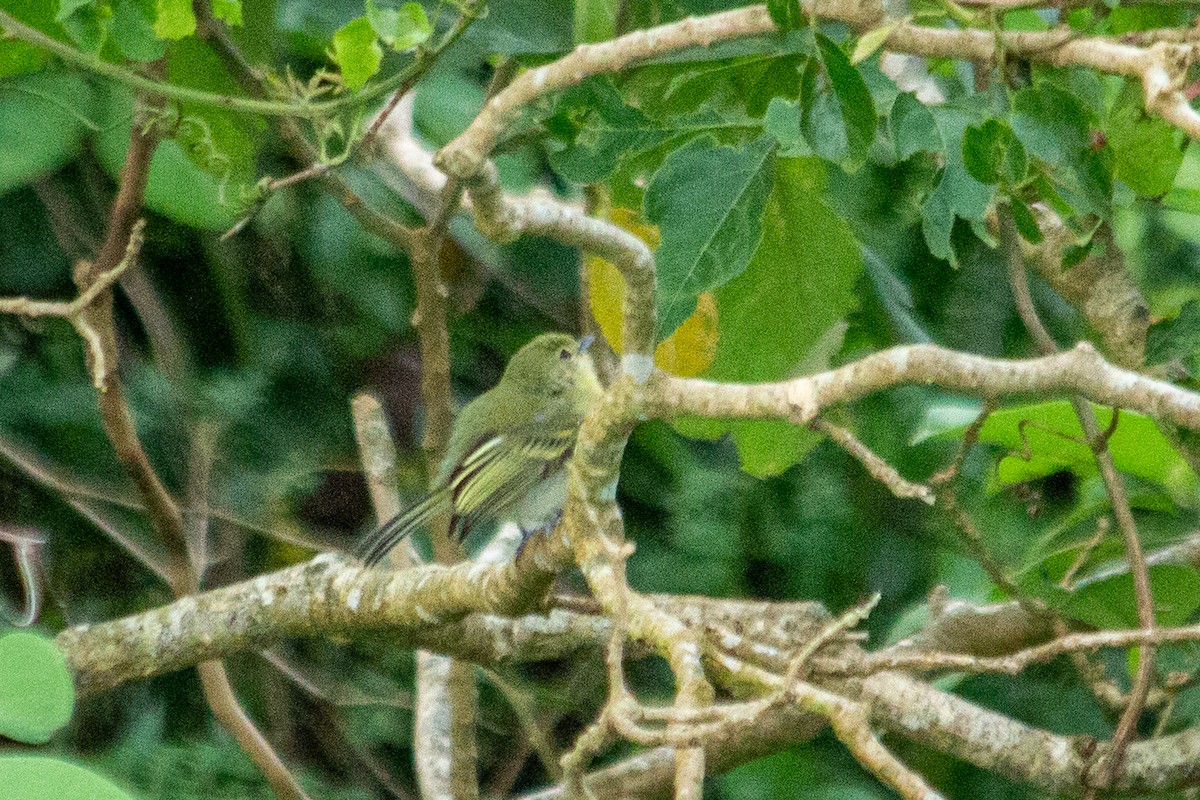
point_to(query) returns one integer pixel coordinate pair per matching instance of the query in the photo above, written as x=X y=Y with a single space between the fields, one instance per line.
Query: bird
x=508 y=447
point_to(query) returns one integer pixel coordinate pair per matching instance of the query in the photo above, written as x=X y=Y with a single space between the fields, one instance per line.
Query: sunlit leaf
x=780 y=317
x=871 y=41
x=228 y=10
x=37 y=695
x=357 y=52
x=1110 y=602
x=40 y=778
x=412 y=27
x=595 y=20
x=1044 y=438
x=174 y=19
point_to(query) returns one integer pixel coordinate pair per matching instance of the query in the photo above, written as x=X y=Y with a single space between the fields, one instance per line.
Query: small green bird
x=508 y=447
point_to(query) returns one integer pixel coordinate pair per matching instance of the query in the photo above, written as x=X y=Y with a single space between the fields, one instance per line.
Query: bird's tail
x=379 y=542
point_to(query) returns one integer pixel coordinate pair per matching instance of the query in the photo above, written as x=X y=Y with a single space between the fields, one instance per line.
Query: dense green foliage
x=811 y=210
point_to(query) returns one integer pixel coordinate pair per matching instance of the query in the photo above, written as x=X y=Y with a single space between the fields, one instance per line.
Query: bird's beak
x=585 y=343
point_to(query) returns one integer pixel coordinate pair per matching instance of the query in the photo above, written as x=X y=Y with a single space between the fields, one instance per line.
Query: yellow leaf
x=606 y=293
x=691 y=348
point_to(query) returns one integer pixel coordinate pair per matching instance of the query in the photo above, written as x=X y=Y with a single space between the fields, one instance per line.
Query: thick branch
x=1080 y=370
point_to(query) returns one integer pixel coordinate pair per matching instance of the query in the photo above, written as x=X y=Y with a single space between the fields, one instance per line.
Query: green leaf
x=383 y=21
x=913 y=128
x=595 y=20
x=783 y=122
x=957 y=194
x=708 y=203
x=991 y=153
x=1175 y=338
x=1111 y=603
x=521 y=27
x=36 y=692
x=1044 y=438
x=174 y=19
x=86 y=22
x=17 y=56
x=837 y=118
x=664 y=91
x=68 y=7
x=412 y=27
x=44 y=117
x=786 y=14
x=357 y=52
x=871 y=41
x=40 y=778
x=133 y=30
x=401 y=29
x=782 y=315
x=228 y=10
x=1056 y=127
x=1146 y=150
x=220 y=142
x=177 y=187
x=604 y=131
x=1025 y=221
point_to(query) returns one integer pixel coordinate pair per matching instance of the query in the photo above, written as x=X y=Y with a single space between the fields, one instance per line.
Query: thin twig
x=218 y=691
x=876 y=467
x=1115 y=486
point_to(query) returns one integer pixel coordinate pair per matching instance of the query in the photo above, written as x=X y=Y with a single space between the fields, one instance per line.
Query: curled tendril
x=25 y=544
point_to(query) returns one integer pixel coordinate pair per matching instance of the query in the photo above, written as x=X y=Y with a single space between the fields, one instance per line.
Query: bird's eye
x=564 y=354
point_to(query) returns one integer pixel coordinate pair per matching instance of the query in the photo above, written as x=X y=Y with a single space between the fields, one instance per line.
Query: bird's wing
x=500 y=470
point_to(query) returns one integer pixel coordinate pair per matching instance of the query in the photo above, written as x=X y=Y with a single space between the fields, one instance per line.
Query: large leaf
x=781 y=315
x=750 y=82
x=36 y=692
x=707 y=202
x=220 y=142
x=44 y=117
x=357 y=52
x=604 y=130
x=38 y=778
x=1111 y=603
